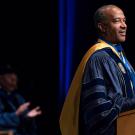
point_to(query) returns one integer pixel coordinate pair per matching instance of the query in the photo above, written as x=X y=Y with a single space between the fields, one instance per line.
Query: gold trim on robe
x=69 y=119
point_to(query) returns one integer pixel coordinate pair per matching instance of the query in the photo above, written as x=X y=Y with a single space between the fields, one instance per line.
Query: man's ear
x=102 y=27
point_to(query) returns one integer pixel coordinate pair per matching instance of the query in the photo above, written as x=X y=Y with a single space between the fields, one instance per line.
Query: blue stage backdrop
x=66 y=44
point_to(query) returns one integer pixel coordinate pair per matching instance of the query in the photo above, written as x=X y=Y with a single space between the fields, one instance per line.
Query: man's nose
x=123 y=24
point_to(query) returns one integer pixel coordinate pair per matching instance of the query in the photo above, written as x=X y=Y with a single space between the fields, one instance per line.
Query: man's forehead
x=10 y=75
x=114 y=12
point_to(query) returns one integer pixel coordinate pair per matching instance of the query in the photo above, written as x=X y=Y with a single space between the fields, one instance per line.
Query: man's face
x=8 y=81
x=115 y=27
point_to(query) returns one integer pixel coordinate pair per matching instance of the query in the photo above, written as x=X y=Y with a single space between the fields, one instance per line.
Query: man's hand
x=22 y=108
x=34 y=112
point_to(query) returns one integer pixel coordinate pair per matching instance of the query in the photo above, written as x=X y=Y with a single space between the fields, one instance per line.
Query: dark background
x=29 y=42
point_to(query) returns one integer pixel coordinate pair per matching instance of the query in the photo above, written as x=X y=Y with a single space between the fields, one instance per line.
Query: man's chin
x=11 y=90
x=122 y=39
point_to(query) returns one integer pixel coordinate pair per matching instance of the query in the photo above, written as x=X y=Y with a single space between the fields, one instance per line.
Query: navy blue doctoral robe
x=107 y=90
x=21 y=125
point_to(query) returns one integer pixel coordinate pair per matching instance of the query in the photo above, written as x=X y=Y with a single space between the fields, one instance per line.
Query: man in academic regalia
x=104 y=83
x=14 y=112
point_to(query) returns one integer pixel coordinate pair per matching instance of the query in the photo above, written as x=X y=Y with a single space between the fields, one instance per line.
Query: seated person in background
x=14 y=112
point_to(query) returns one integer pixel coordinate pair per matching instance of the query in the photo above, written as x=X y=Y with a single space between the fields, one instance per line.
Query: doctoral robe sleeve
x=101 y=103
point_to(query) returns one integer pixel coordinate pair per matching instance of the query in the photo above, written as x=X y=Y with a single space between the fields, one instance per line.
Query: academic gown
x=20 y=125
x=107 y=89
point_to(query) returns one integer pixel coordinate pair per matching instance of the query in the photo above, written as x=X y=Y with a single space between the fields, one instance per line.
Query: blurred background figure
x=15 y=114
